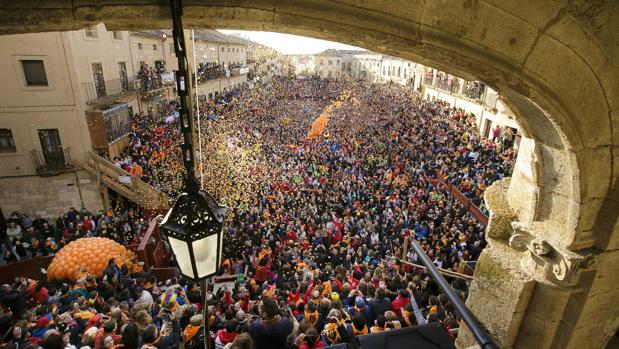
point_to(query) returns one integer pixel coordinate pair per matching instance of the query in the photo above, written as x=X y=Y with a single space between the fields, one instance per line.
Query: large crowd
x=315 y=229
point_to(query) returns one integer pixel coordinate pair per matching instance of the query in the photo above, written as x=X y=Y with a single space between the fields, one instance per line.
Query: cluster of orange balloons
x=319 y=124
x=92 y=253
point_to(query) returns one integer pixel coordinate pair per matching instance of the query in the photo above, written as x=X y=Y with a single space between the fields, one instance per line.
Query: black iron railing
x=107 y=89
x=480 y=334
x=51 y=162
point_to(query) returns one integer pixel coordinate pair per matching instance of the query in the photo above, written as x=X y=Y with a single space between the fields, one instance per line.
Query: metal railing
x=132 y=188
x=475 y=92
x=47 y=163
x=101 y=90
x=465 y=201
x=149 y=83
x=479 y=332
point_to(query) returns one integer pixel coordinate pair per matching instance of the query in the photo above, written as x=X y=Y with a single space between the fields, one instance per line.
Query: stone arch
x=555 y=63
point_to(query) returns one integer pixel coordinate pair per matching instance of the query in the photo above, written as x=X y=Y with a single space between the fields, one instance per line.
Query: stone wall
x=555 y=63
x=47 y=196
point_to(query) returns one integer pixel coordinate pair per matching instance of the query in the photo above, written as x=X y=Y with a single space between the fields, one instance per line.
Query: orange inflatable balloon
x=92 y=253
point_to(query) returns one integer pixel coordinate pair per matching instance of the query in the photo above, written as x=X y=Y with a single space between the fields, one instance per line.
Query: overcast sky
x=289 y=44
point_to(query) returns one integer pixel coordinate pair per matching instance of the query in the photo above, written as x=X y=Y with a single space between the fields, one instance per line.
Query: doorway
x=51 y=148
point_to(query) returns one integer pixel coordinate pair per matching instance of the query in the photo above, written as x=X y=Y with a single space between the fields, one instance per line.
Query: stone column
x=530 y=293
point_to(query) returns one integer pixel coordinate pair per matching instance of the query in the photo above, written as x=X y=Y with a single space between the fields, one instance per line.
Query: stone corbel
x=542 y=260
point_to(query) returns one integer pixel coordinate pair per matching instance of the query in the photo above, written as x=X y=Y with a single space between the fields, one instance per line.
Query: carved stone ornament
x=542 y=260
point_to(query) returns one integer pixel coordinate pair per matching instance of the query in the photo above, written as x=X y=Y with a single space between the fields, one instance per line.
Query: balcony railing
x=474 y=91
x=51 y=162
x=102 y=90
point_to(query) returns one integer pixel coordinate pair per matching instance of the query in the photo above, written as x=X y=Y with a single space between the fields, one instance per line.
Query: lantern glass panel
x=181 y=252
x=205 y=253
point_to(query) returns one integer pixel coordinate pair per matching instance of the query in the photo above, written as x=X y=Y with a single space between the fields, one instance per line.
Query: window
x=97 y=75
x=34 y=72
x=92 y=32
x=51 y=149
x=228 y=49
x=7 y=145
x=154 y=47
x=122 y=74
x=117 y=35
x=139 y=45
x=223 y=49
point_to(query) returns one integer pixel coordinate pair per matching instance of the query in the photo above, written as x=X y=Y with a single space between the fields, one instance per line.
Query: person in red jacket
x=226 y=335
x=401 y=300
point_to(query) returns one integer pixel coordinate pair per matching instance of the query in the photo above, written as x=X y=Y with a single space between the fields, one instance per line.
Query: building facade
x=71 y=94
x=474 y=97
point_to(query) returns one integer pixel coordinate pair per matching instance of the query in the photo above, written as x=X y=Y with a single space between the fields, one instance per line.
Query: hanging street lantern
x=193 y=226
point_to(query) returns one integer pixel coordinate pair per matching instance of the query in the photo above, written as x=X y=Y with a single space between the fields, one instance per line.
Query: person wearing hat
x=360 y=307
x=242 y=318
x=193 y=336
x=144 y=297
x=40 y=327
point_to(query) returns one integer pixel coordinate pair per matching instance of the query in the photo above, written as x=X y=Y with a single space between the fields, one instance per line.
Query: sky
x=290 y=44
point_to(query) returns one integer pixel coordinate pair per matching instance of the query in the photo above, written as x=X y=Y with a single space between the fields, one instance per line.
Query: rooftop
x=335 y=52
x=220 y=38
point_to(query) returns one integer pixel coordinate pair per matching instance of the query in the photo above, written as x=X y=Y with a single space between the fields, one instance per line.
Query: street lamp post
x=193 y=226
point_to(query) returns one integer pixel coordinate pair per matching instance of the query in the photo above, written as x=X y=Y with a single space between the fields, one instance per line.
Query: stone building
x=475 y=98
x=264 y=62
x=71 y=94
x=222 y=58
x=303 y=65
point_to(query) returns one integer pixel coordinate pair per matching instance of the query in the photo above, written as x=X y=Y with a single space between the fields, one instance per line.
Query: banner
x=167 y=78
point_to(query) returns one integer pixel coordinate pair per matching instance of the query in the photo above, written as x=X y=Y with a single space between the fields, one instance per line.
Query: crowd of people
x=314 y=233
x=26 y=237
x=153 y=153
x=150 y=78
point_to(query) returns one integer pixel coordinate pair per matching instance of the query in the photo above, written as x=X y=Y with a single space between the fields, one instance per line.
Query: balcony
x=239 y=71
x=51 y=162
x=106 y=91
x=473 y=90
x=148 y=83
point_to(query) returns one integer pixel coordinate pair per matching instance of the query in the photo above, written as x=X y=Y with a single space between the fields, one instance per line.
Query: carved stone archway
x=546 y=281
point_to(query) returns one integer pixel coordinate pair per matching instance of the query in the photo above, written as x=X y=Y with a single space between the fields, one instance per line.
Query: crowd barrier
x=30 y=268
x=468 y=205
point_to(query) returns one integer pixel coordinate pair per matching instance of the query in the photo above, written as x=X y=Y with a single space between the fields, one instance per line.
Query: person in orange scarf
x=379 y=324
x=193 y=332
x=312 y=317
x=358 y=325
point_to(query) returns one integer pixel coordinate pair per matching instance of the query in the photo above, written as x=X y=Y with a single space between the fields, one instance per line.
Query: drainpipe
x=79 y=190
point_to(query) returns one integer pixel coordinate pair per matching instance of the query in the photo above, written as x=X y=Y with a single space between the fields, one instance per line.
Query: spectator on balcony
x=496 y=133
